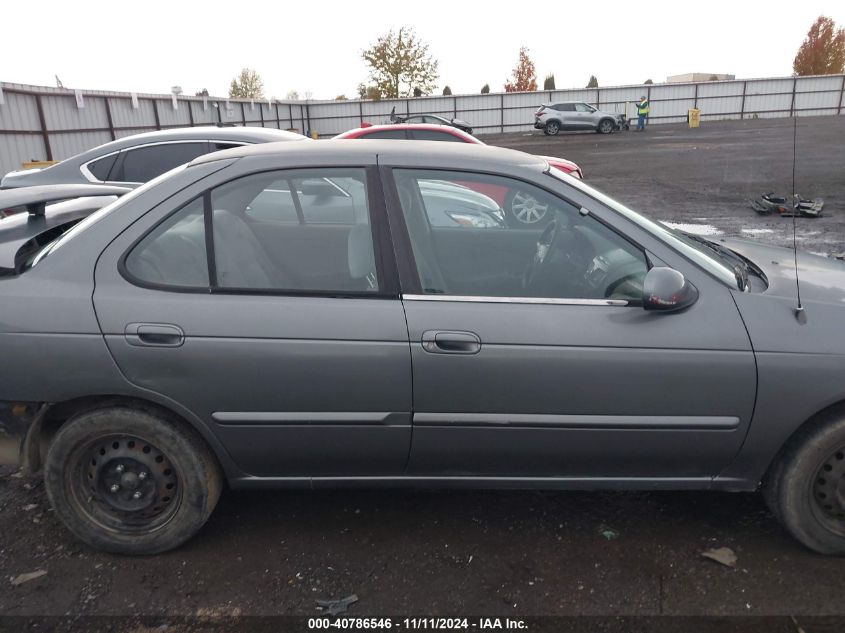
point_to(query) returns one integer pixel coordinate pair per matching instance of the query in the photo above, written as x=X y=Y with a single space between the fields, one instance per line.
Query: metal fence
x=40 y=123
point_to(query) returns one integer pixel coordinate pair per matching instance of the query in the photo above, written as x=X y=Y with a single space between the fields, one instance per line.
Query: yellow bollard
x=32 y=164
x=694 y=117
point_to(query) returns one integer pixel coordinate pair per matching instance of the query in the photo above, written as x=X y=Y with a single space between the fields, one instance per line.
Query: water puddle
x=693 y=229
x=757 y=231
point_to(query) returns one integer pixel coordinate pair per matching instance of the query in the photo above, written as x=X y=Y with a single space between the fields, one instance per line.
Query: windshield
x=98 y=215
x=717 y=265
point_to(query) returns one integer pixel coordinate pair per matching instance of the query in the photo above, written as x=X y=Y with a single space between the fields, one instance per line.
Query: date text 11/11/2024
x=420 y=623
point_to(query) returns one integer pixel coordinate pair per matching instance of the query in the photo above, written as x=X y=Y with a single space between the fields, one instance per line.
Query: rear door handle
x=154 y=335
x=450 y=342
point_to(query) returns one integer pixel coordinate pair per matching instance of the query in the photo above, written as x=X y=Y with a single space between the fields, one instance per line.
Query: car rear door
x=567 y=115
x=556 y=371
x=264 y=303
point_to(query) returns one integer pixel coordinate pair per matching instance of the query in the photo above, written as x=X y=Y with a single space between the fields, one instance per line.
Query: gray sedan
x=185 y=336
x=133 y=160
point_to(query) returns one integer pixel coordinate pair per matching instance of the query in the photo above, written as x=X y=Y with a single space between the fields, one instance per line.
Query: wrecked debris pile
x=769 y=203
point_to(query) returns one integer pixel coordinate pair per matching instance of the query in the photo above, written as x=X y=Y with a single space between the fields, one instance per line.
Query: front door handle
x=154 y=335
x=450 y=342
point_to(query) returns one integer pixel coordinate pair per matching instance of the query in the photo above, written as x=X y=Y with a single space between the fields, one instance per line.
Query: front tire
x=606 y=126
x=131 y=481
x=805 y=488
x=551 y=128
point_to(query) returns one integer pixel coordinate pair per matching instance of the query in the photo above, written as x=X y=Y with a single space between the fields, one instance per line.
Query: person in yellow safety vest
x=642 y=113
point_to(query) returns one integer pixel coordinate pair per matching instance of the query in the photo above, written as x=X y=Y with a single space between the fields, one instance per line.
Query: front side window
x=145 y=163
x=704 y=257
x=284 y=231
x=583 y=107
x=467 y=240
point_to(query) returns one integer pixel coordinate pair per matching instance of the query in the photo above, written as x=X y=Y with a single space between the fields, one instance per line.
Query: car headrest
x=362 y=261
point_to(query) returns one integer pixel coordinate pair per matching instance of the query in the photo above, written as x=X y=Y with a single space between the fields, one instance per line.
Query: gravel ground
x=487 y=553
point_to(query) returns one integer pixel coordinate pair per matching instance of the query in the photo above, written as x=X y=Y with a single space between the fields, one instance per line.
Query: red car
x=520 y=208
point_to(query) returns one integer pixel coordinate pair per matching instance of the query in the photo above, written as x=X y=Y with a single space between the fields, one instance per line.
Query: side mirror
x=667 y=290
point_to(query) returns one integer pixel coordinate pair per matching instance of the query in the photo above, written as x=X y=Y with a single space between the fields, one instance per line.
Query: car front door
x=263 y=303
x=586 y=116
x=532 y=355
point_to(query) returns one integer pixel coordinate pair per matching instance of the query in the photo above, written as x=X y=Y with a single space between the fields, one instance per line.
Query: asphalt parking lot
x=496 y=553
x=706 y=176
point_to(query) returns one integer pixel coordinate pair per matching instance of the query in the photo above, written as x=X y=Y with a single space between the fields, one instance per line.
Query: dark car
x=133 y=160
x=186 y=336
x=432 y=119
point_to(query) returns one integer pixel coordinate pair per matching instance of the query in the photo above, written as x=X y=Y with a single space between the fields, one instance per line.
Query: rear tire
x=551 y=128
x=131 y=481
x=805 y=487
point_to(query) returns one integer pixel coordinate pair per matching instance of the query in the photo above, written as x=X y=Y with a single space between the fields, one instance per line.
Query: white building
x=694 y=77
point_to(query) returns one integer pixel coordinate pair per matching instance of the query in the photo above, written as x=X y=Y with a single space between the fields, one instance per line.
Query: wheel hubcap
x=829 y=492
x=127 y=483
x=527 y=209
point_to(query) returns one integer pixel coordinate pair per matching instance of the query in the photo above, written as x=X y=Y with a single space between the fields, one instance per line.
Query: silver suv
x=576 y=115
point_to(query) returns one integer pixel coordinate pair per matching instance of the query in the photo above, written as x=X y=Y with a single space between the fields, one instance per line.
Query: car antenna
x=800 y=315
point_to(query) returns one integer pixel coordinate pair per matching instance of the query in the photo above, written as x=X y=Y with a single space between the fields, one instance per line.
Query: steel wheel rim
x=125 y=484
x=527 y=209
x=828 y=492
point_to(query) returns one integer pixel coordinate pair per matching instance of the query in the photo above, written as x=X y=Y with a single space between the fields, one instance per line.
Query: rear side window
x=304 y=230
x=394 y=134
x=432 y=135
x=565 y=107
x=145 y=163
x=218 y=146
x=100 y=168
x=294 y=230
x=174 y=253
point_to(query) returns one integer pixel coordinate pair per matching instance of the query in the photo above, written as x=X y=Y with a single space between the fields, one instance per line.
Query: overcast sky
x=150 y=45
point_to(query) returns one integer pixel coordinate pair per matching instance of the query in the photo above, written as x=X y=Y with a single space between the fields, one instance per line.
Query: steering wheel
x=560 y=263
x=546 y=244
